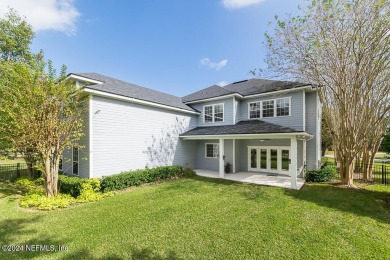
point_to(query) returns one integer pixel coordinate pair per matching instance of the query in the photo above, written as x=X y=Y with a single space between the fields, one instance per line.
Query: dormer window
x=213 y=113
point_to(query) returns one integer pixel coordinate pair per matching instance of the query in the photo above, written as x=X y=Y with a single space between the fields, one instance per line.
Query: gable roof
x=242 y=127
x=122 y=88
x=210 y=92
x=244 y=88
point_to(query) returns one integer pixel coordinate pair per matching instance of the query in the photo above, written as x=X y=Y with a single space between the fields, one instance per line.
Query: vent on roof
x=239 y=81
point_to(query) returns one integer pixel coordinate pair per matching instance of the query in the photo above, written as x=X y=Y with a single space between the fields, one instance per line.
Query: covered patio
x=275 y=180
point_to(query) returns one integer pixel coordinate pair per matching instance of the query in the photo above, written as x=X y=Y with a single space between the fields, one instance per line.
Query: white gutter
x=137 y=101
x=246 y=136
x=76 y=77
x=277 y=92
x=214 y=98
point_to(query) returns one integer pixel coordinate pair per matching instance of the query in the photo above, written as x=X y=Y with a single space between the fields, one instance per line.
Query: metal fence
x=12 y=171
x=380 y=172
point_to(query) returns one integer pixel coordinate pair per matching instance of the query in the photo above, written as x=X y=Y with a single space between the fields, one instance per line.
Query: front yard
x=207 y=218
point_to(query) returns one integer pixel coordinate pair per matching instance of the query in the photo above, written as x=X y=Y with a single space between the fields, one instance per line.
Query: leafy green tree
x=343 y=46
x=16 y=35
x=40 y=114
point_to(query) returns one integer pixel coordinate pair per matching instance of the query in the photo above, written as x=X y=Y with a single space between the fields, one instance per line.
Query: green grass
x=378 y=155
x=202 y=218
x=15 y=161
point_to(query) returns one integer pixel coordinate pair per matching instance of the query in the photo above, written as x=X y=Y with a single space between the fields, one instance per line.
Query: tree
x=385 y=145
x=342 y=46
x=16 y=35
x=42 y=113
x=326 y=137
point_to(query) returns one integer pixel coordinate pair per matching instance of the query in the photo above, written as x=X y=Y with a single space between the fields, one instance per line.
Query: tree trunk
x=51 y=172
x=346 y=173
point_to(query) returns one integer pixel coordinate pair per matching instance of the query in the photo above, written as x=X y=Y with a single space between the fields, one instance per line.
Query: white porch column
x=221 y=159
x=294 y=159
x=234 y=156
x=304 y=154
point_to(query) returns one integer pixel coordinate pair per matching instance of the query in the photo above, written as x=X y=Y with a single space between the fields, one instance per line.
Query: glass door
x=263 y=159
x=253 y=159
x=285 y=160
x=274 y=159
x=269 y=159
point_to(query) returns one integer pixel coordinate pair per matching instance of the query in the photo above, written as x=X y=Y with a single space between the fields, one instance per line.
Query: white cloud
x=236 y=4
x=222 y=83
x=213 y=65
x=57 y=15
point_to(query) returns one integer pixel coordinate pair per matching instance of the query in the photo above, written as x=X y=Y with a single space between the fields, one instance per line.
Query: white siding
x=128 y=136
x=83 y=152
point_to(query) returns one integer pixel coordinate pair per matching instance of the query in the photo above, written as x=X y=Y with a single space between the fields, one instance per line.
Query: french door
x=273 y=159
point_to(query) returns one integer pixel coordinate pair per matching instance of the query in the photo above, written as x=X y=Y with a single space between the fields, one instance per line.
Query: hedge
x=135 y=178
x=321 y=175
x=70 y=185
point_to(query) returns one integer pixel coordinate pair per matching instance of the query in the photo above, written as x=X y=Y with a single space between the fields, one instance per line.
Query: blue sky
x=176 y=46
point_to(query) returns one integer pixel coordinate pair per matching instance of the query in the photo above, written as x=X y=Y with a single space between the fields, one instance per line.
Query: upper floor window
x=283 y=107
x=213 y=113
x=268 y=108
x=254 y=110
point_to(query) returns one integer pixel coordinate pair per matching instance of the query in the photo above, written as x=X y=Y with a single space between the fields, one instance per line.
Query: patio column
x=304 y=154
x=294 y=159
x=234 y=156
x=221 y=158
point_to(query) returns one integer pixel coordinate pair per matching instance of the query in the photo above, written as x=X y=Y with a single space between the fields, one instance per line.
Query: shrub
x=228 y=168
x=188 y=172
x=30 y=186
x=135 y=178
x=46 y=203
x=90 y=191
x=70 y=185
x=321 y=175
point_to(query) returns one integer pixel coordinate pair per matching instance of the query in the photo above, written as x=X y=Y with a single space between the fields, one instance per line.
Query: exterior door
x=253 y=160
x=269 y=159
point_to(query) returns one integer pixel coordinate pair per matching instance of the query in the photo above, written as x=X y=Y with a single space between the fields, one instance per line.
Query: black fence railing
x=380 y=172
x=13 y=171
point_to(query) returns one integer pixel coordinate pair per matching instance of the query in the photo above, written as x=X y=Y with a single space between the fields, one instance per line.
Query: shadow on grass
x=133 y=254
x=360 y=202
x=6 y=190
x=12 y=232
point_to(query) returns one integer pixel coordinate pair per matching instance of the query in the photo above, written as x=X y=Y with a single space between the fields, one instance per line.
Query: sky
x=174 y=46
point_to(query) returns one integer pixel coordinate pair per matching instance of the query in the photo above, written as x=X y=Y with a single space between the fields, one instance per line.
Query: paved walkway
x=282 y=181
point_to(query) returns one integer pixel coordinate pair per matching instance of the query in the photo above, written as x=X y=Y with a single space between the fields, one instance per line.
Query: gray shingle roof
x=242 y=127
x=213 y=91
x=244 y=88
x=122 y=88
x=259 y=86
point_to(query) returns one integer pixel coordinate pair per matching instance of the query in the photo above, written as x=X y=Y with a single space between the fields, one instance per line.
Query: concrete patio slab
x=281 y=181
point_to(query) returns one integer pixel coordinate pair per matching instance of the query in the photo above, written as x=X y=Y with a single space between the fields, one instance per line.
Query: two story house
x=256 y=125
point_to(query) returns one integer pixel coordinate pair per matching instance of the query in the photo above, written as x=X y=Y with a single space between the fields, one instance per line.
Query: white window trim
x=78 y=161
x=261 y=108
x=205 y=151
x=213 y=113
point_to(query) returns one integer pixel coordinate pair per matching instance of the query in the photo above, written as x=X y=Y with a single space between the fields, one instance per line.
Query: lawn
x=14 y=161
x=207 y=219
